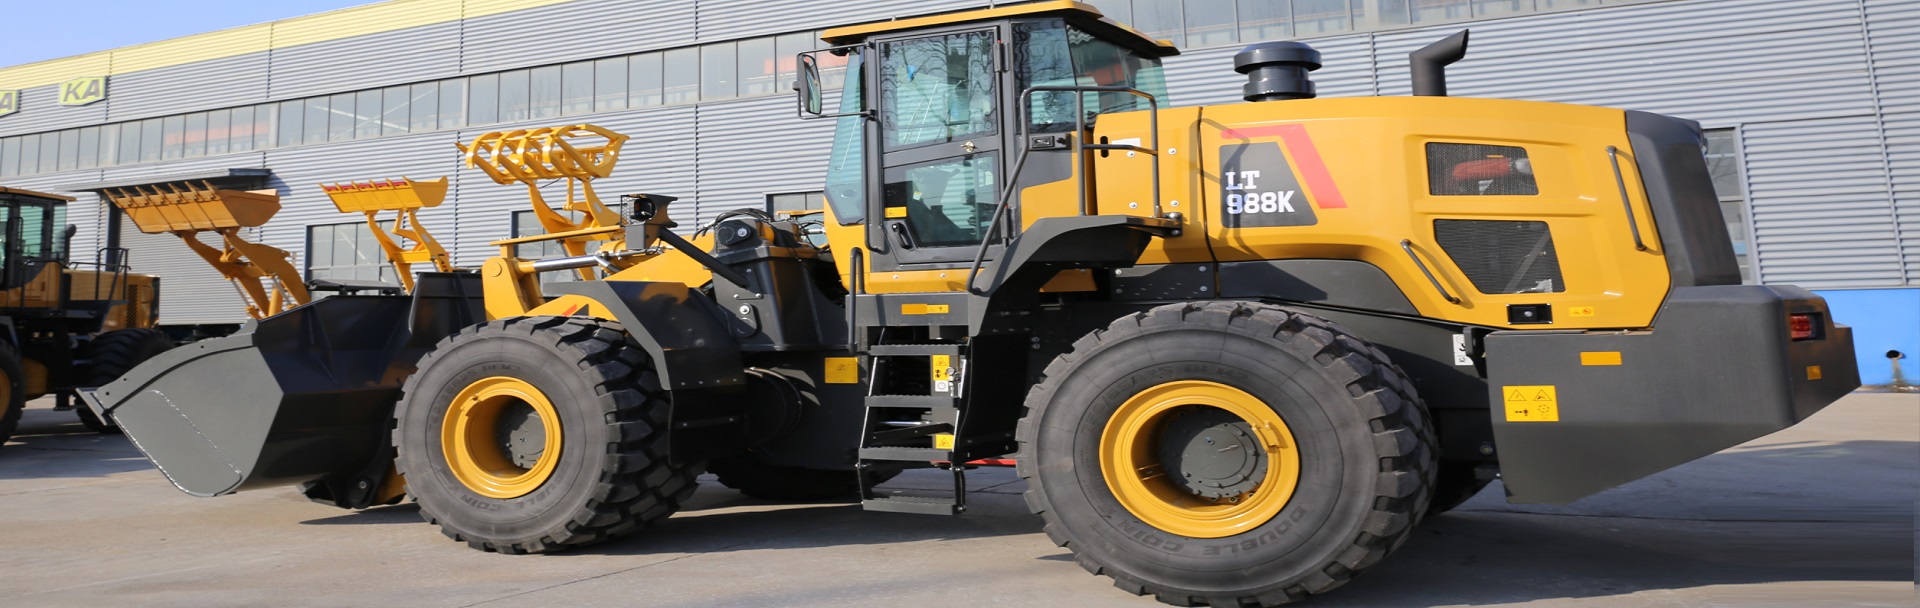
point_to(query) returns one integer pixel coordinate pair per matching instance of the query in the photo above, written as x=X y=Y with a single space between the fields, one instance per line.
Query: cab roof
x=1083 y=15
x=21 y=192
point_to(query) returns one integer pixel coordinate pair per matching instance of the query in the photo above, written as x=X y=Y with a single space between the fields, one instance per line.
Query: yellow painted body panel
x=1124 y=186
x=1374 y=149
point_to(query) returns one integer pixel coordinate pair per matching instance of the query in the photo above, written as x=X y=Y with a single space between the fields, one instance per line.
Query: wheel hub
x=495 y=437
x=521 y=434
x=1214 y=453
x=1199 y=459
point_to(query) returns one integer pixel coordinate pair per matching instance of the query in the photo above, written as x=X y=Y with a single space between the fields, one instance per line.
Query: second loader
x=1238 y=352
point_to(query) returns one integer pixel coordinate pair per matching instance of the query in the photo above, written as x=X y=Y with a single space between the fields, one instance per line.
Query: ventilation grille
x=1502 y=256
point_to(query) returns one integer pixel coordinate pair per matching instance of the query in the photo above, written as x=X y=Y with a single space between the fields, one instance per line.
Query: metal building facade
x=1822 y=98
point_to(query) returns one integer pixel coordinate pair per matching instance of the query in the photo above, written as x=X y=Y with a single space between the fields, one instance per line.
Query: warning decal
x=1531 y=403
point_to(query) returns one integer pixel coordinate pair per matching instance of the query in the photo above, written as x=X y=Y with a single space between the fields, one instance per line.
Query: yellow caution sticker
x=1813 y=372
x=1611 y=357
x=1580 y=311
x=842 y=370
x=1531 y=403
x=923 y=309
x=941 y=365
x=896 y=212
x=943 y=441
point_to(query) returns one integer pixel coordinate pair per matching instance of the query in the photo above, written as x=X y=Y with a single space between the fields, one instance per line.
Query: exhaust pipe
x=1429 y=64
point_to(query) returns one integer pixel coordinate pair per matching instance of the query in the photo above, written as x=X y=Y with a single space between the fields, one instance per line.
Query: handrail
x=1079 y=152
x=1408 y=246
x=1080 y=129
x=1613 y=155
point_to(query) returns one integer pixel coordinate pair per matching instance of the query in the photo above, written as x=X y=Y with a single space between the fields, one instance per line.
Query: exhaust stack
x=1277 y=70
x=1429 y=64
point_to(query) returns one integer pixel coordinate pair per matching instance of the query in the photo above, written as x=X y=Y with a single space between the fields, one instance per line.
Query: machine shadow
x=1703 y=524
x=54 y=445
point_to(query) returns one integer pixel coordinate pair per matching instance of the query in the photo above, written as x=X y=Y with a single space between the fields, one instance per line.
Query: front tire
x=537 y=434
x=1226 y=453
x=114 y=354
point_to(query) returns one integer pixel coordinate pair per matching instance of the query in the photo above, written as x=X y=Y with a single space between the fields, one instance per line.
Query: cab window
x=937 y=90
x=1479 y=170
x=1049 y=53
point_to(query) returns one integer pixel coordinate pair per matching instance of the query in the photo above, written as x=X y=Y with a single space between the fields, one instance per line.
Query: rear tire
x=610 y=476
x=13 y=402
x=114 y=354
x=1358 y=438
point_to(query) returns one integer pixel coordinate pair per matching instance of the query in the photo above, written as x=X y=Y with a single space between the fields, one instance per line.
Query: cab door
x=940 y=164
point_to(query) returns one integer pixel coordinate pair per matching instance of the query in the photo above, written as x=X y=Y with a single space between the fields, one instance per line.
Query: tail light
x=1801 y=327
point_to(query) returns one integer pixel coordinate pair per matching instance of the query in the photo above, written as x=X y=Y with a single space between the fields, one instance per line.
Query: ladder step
x=907 y=350
x=905 y=454
x=926 y=505
x=909 y=432
x=913 y=401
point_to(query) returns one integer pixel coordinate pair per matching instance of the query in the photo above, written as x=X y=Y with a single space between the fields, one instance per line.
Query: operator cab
x=931 y=97
x=31 y=240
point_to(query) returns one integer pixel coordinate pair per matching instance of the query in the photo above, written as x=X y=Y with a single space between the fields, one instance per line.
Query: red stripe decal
x=570 y=311
x=1306 y=159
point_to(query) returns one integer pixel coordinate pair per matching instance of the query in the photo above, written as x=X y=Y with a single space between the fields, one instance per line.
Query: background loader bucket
x=296 y=397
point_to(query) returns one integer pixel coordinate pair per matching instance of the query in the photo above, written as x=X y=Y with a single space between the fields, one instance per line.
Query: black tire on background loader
x=754 y=477
x=15 y=401
x=114 y=354
x=1366 y=451
x=613 y=477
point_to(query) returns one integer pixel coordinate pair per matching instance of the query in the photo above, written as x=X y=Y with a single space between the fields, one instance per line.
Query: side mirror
x=809 y=87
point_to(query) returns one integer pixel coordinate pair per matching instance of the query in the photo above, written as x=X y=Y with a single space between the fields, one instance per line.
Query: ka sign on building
x=83 y=91
x=9 y=102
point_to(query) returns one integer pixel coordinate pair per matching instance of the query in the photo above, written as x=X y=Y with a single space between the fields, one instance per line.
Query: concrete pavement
x=1822 y=514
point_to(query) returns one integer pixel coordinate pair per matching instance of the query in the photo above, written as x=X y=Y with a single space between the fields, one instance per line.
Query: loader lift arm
x=404 y=197
x=264 y=274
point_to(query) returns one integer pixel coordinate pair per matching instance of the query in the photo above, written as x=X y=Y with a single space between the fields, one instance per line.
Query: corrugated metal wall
x=747 y=149
x=727 y=19
x=573 y=30
x=335 y=66
x=1894 y=37
x=217 y=83
x=1818 y=196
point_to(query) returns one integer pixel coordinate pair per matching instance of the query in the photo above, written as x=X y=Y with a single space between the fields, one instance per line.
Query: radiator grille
x=1502 y=256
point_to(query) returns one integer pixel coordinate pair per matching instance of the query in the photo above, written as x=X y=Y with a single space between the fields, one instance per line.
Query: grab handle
x=1408 y=246
x=1620 y=179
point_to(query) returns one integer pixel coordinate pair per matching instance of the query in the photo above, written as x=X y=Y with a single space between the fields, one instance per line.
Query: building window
x=346 y=252
x=717 y=72
x=796 y=201
x=1723 y=163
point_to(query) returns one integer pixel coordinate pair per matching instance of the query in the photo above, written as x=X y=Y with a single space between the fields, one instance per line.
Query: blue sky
x=38 y=30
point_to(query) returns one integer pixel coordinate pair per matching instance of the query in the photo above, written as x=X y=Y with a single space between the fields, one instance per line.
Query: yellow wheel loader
x=65 y=324
x=1238 y=352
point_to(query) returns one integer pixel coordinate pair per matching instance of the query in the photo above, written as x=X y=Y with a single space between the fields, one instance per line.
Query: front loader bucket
x=300 y=396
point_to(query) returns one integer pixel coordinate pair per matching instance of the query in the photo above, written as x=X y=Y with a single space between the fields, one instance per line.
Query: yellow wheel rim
x=1229 y=491
x=487 y=440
